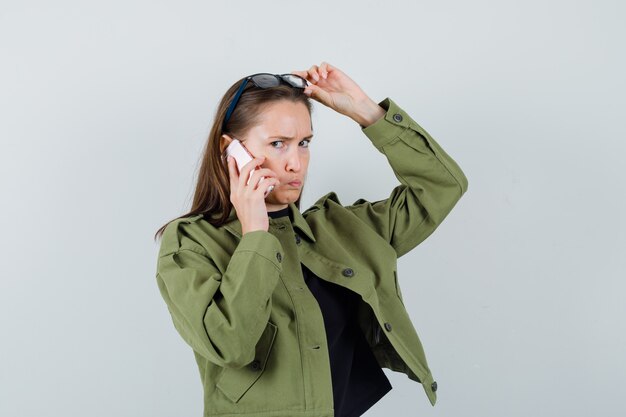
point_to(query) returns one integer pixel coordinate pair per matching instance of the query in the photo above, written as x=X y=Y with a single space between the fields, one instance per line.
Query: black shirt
x=358 y=381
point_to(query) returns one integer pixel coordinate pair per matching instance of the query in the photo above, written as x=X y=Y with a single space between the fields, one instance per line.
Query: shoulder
x=323 y=202
x=190 y=233
x=330 y=203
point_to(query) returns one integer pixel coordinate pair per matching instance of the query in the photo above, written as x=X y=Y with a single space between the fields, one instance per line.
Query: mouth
x=295 y=183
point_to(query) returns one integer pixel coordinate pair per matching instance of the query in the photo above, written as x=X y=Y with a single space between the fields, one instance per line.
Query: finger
x=313 y=73
x=265 y=172
x=329 y=67
x=318 y=94
x=306 y=74
x=255 y=179
x=324 y=69
x=250 y=165
x=266 y=184
x=302 y=74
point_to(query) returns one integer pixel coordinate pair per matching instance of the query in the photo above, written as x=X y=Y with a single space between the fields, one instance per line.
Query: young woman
x=294 y=313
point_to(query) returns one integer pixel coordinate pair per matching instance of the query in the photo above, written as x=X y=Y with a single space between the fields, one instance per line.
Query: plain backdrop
x=518 y=296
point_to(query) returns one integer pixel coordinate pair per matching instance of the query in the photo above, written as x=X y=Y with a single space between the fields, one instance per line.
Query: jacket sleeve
x=221 y=316
x=431 y=181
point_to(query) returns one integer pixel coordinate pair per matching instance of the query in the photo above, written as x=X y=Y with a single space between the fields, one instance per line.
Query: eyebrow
x=287 y=137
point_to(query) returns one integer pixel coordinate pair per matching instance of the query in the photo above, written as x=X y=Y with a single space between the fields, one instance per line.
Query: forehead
x=284 y=118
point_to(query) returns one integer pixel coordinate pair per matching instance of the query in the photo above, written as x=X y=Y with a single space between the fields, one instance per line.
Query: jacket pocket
x=234 y=383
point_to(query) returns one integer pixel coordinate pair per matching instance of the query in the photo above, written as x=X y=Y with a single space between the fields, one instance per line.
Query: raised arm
x=431 y=181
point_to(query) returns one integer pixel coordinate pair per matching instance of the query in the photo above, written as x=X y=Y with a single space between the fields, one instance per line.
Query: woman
x=294 y=313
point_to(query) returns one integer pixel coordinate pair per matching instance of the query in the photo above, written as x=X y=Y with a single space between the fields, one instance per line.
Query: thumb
x=318 y=94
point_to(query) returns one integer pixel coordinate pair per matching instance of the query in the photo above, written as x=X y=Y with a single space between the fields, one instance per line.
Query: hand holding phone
x=242 y=157
x=248 y=201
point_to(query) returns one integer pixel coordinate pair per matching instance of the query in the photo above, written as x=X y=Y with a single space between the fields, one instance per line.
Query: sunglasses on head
x=264 y=80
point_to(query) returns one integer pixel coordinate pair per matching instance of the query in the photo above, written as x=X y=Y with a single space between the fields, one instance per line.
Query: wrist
x=253 y=229
x=367 y=113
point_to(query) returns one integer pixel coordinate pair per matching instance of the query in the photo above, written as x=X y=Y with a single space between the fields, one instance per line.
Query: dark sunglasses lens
x=265 y=80
x=294 y=80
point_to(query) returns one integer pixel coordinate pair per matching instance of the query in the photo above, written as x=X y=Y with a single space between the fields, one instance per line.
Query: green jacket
x=242 y=305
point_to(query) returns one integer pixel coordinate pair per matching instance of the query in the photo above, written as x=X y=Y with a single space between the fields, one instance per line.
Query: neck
x=276 y=207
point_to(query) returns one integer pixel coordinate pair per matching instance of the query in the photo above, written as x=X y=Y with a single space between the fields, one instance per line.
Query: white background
x=105 y=108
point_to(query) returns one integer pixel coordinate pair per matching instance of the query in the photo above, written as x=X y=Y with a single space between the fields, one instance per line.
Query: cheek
x=257 y=151
x=270 y=163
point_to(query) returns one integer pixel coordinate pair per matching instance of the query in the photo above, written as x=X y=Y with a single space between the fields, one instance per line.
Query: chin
x=284 y=198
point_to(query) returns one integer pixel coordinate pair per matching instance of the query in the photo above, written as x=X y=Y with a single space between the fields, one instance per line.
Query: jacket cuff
x=388 y=127
x=264 y=244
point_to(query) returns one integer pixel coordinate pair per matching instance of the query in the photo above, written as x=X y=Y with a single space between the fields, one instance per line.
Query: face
x=283 y=137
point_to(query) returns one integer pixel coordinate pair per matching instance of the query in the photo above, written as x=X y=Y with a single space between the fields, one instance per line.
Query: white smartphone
x=242 y=157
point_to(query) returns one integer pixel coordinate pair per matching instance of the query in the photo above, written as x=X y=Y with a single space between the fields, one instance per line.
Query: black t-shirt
x=358 y=381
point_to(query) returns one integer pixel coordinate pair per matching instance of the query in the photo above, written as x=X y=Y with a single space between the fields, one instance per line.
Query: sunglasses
x=264 y=80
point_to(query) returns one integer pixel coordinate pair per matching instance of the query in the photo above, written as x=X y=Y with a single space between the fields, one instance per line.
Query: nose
x=293 y=160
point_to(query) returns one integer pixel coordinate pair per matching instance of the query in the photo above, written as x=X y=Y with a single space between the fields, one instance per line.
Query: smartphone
x=242 y=157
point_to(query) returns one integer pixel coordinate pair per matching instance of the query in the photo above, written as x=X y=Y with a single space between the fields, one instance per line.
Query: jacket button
x=388 y=327
x=256 y=364
x=298 y=239
x=348 y=272
x=279 y=256
x=433 y=386
x=397 y=117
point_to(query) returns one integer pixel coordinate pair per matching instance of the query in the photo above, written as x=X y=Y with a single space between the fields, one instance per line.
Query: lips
x=295 y=183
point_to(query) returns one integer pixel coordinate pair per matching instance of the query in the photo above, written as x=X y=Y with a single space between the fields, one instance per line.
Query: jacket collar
x=233 y=224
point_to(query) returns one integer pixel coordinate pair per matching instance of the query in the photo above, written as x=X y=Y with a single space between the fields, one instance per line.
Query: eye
x=304 y=143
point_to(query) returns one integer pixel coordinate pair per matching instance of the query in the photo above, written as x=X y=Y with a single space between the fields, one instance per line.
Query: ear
x=225 y=140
